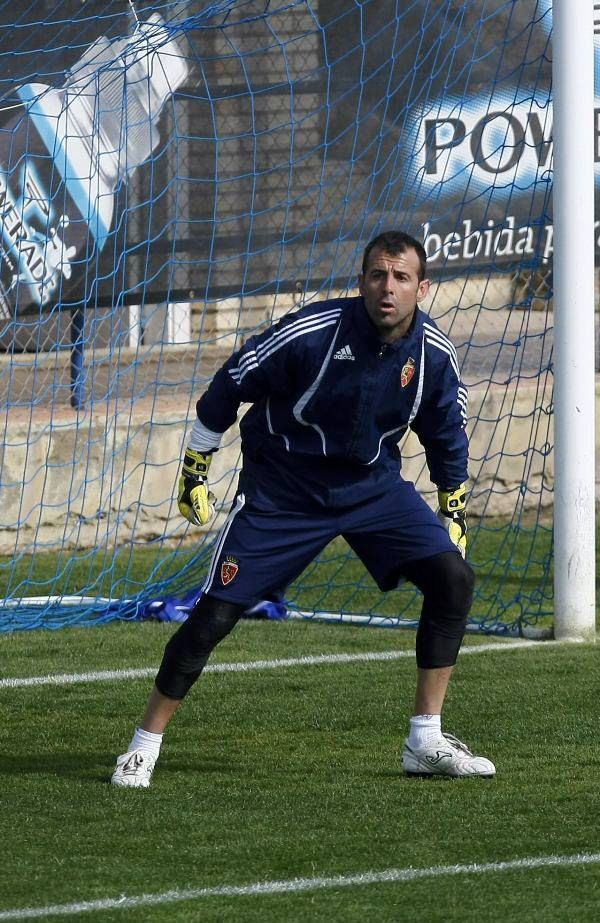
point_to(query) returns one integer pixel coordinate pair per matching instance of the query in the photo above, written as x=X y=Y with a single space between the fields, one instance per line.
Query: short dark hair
x=394 y=242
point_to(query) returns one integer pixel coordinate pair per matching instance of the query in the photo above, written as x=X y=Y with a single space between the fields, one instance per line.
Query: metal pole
x=77 y=359
x=574 y=389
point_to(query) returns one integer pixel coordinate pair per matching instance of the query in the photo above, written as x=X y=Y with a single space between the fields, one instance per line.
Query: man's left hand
x=452 y=514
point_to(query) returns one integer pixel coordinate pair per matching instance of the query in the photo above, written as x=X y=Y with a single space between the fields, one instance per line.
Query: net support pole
x=77 y=359
x=574 y=387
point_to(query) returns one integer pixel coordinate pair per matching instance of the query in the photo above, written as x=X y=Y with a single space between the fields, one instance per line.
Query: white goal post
x=574 y=335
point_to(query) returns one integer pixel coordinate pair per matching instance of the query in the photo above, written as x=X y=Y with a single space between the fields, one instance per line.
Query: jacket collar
x=368 y=331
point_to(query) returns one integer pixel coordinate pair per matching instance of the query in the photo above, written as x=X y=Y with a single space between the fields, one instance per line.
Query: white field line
x=296 y=885
x=63 y=679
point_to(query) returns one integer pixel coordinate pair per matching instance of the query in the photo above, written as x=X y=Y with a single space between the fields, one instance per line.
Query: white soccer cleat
x=134 y=769
x=446 y=757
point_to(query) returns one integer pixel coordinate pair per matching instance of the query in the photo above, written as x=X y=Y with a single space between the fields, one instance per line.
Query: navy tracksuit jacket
x=330 y=403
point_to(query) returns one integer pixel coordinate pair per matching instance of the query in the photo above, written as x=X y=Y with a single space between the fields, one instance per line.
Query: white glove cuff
x=202 y=439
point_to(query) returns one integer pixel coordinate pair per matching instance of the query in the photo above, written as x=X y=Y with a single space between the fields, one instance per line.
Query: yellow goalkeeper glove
x=452 y=514
x=194 y=499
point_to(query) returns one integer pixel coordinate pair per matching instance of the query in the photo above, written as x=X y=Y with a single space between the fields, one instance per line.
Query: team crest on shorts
x=408 y=370
x=229 y=569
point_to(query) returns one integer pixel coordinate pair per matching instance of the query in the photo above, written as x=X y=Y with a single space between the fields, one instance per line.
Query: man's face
x=391 y=290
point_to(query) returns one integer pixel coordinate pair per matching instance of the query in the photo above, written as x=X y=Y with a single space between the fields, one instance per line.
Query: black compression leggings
x=446 y=582
x=189 y=648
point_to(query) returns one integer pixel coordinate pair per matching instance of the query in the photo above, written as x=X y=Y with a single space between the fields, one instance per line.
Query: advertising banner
x=149 y=154
x=64 y=153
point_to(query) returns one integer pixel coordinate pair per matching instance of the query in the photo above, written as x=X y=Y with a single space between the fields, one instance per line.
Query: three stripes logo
x=344 y=353
x=279 y=337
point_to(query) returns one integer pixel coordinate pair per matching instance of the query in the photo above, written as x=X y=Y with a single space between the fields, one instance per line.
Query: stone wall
x=108 y=476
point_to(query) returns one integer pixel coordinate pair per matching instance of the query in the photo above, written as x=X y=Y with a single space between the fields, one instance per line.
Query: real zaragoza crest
x=229 y=569
x=408 y=370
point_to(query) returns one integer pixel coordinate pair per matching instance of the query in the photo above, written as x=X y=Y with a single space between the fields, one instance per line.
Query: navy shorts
x=259 y=552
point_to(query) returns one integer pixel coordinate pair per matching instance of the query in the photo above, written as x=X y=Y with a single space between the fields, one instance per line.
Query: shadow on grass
x=98 y=767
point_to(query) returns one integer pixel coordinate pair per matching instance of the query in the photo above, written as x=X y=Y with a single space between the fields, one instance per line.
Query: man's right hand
x=195 y=501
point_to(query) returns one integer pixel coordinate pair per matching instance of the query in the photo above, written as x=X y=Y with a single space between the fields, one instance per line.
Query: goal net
x=175 y=176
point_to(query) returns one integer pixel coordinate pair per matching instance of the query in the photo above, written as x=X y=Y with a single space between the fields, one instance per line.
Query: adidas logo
x=344 y=353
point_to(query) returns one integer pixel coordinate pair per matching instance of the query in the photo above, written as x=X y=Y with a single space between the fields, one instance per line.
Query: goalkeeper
x=333 y=388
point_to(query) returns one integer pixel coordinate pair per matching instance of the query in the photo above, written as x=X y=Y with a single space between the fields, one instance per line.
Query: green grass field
x=293 y=772
x=512 y=563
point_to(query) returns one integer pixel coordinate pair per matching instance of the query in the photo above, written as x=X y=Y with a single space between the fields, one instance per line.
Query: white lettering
x=548 y=246
x=33 y=196
x=471 y=235
x=525 y=242
x=432 y=243
x=489 y=238
x=451 y=240
x=506 y=247
x=496 y=240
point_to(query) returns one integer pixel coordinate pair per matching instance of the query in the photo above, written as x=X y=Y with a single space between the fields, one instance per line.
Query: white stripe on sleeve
x=253 y=358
